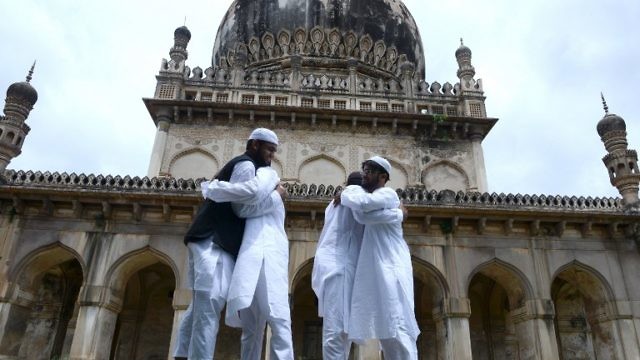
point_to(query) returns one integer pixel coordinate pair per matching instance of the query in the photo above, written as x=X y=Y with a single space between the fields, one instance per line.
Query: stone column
x=452 y=324
x=13 y=323
x=535 y=330
x=478 y=162
x=159 y=144
x=621 y=329
x=95 y=325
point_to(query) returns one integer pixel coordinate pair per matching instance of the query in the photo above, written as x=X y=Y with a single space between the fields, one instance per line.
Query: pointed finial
x=30 y=75
x=461 y=42
x=604 y=103
x=185 y=21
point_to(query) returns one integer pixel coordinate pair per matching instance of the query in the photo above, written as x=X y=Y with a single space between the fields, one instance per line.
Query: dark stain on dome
x=387 y=20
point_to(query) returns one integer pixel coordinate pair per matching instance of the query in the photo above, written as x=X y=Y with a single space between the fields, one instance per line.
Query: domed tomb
x=381 y=35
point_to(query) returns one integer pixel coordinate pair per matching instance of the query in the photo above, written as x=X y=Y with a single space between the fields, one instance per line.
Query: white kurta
x=336 y=255
x=264 y=242
x=382 y=300
x=209 y=274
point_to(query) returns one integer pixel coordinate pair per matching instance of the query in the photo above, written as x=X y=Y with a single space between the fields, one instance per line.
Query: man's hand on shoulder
x=336 y=198
x=405 y=212
x=282 y=191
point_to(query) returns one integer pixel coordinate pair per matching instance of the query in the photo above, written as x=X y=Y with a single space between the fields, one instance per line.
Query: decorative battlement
x=411 y=195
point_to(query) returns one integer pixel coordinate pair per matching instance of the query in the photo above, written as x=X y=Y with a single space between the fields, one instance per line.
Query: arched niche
x=143 y=283
x=445 y=175
x=143 y=327
x=306 y=326
x=399 y=178
x=430 y=291
x=583 y=322
x=40 y=318
x=322 y=170
x=496 y=290
x=193 y=164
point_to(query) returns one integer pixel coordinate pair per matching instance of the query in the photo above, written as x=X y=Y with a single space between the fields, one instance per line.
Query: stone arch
x=585 y=323
x=589 y=280
x=143 y=283
x=322 y=170
x=430 y=292
x=429 y=274
x=132 y=262
x=305 y=323
x=445 y=175
x=514 y=281
x=302 y=271
x=28 y=269
x=498 y=294
x=194 y=163
x=399 y=177
x=44 y=292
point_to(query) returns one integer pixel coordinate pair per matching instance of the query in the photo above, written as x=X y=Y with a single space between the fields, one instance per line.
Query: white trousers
x=210 y=271
x=335 y=342
x=254 y=319
x=402 y=347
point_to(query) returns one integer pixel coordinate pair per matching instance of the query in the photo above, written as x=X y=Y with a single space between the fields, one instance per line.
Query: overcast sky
x=543 y=64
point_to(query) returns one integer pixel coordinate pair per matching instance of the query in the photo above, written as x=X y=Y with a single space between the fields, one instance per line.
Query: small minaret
x=466 y=71
x=621 y=162
x=20 y=99
x=178 y=52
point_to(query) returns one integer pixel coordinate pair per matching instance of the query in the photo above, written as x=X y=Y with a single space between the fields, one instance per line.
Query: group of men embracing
x=239 y=256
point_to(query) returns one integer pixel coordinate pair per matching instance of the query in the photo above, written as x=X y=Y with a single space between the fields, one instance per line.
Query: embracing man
x=259 y=289
x=334 y=268
x=382 y=305
x=214 y=241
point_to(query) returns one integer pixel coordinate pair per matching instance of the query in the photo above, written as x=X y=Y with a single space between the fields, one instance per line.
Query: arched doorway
x=306 y=326
x=143 y=328
x=41 y=319
x=495 y=292
x=582 y=328
x=430 y=290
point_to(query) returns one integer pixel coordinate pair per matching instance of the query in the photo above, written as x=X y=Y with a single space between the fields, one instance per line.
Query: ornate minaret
x=168 y=87
x=178 y=52
x=20 y=99
x=466 y=71
x=621 y=162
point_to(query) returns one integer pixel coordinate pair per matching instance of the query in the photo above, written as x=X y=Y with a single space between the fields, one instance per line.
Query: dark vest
x=218 y=219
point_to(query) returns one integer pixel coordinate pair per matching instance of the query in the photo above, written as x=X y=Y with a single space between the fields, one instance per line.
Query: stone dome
x=23 y=90
x=611 y=122
x=385 y=22
x=463 y=51
x=182 y=32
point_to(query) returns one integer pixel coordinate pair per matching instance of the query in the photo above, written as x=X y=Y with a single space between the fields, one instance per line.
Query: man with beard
x=258 y=293
x=334 y=268
x=213 y=243
x=382 y=305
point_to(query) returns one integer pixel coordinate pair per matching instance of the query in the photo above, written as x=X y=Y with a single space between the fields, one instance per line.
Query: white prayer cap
x=382 y=162
x=264 y=135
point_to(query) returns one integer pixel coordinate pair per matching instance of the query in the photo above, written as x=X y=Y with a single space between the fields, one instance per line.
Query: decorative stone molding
x=316 y=42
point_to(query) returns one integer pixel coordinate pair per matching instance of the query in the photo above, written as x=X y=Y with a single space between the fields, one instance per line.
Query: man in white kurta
x=334 y=268
x=210 y=268
x=382 y=304
x=258 y=293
